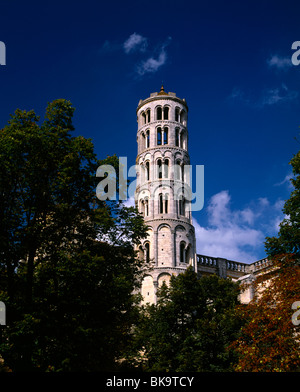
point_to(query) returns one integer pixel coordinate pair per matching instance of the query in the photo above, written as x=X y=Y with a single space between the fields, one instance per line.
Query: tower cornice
x=162 y=148
x=162 y=98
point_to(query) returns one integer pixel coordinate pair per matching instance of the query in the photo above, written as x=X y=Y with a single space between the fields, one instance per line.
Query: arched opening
x=166 y=203
x=146 y=207
x=159 y=113
x=159 y=169
x=182 y=139
x=147 y=171
x=178 y=170
x=143 y=141
x=164 y=278
x=148 y=115
x=166 y=131
x=143 y=116
x=182 y=252
x=177 y=137
x=166 y=168
x=166 y=113
x=147 y=138
x=159 y=141
x=188 y=254
x=141 y=209
x=181 y=205
x=141 y=253
x=177 y=114
x=147 y=252
x=183 y=117
x=161 y=206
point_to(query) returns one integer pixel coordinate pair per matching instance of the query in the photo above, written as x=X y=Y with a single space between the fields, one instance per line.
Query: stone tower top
x=162 y=94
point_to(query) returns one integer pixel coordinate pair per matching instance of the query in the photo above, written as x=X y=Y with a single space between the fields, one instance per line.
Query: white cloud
x=277 y=95
x=287 y=181
x=152 y=64
x=237 y=234
x=268 y=97
x=129 y=202
x=282 y=63
x=135 y=42
x=263 y=201
x=228 y=242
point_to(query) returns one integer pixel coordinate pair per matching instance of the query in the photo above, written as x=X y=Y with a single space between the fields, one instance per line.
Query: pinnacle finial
x=162 y=90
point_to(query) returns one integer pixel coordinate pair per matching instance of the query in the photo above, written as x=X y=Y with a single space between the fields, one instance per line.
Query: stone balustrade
x=232 y=266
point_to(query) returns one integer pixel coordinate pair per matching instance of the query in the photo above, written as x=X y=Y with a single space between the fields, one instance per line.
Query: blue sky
x=231 y=61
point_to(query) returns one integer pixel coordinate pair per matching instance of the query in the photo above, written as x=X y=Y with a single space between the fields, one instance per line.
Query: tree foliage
x=190 y=327
x=67 y=267
x=269 y=340
x=288 y=239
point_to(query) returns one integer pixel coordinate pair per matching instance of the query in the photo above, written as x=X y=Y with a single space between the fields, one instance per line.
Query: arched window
x=181 y=203
x=141 y=172
x=182 y=172
x=181 y=139
x=141 y=253
x=188 y=254
x=159 y=113
x=183 y=117
x=161 y=206
x=159 y=141
x=166 y=130
x=177 y=116
x=143 y=141
x=142 y=207
x=146 y=207
x=182 y=252
x=148 y=115
x=166 y=113
x=177 y=170
x=143 y=118
x=147 y=251
x=177 y=137
x=166 y=203
x=147 y=171
x=166 y=168
x=147 y=139
x=159 y=169
x=163 y=203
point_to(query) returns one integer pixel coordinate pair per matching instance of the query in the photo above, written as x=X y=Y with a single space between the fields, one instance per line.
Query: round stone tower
x=163 y=189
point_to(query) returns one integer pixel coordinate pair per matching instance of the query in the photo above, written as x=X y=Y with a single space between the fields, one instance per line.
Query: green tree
x=268 y=339
x=67 y=267
x=191 y=326
x=288 y=239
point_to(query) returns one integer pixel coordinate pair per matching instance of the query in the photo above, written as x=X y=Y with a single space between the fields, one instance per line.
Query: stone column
x=222 y=267
x=174 y=248
x=155 y=247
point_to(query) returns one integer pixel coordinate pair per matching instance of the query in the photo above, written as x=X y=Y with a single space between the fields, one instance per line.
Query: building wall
x=243 y=273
